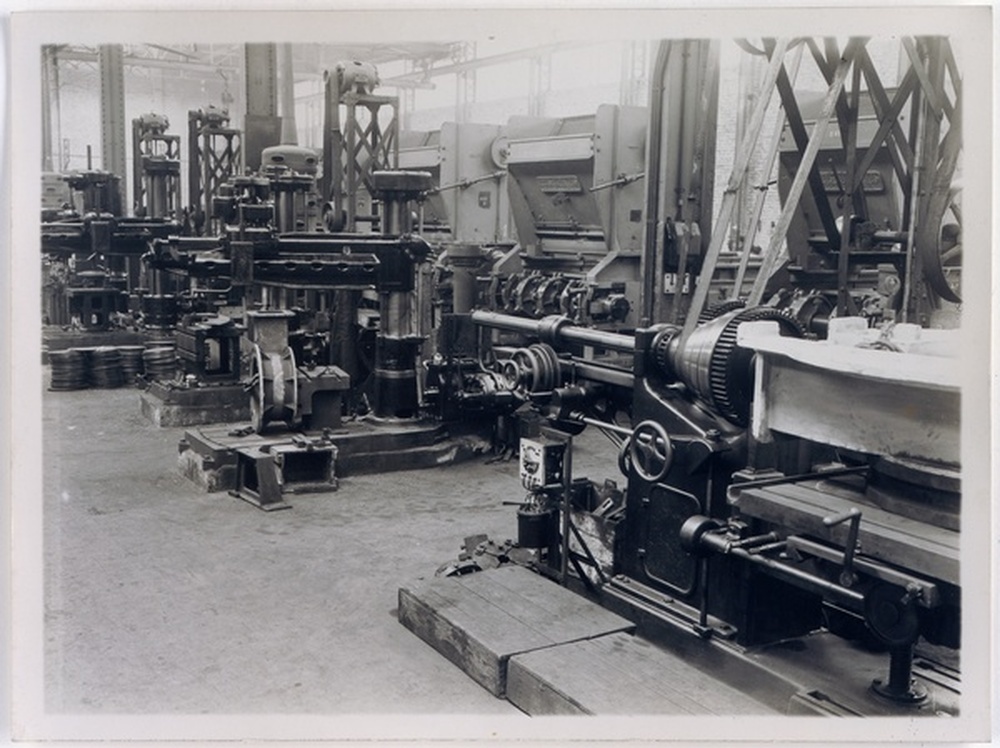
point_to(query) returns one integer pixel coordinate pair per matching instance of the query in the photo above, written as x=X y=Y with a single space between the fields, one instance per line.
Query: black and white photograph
x=428 y=374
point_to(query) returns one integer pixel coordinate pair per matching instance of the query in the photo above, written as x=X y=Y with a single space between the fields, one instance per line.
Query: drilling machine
x=302 y=382
x=96 y=249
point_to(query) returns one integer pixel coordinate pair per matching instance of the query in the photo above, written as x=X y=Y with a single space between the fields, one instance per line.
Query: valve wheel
x=625 y=457
x=650 y=451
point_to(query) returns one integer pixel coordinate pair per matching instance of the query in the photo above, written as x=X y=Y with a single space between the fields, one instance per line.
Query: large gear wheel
x=729 y=380
x=718 y=309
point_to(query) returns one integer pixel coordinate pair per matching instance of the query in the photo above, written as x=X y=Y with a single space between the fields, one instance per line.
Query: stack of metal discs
x=160 y=361
x=131 y=362
x=87 y=355
x=69 y=371
x=106 y=368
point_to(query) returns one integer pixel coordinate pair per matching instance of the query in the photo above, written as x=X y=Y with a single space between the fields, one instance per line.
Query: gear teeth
x=718 y=309
x=726 y=398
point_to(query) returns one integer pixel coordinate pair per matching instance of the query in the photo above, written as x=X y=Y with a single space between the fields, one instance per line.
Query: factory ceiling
x=197 y=59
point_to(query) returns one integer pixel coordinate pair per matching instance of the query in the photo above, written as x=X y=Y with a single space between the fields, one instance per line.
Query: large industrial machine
x=333 y=319
x=93 y=250
x=792 y=457
x=784 y=417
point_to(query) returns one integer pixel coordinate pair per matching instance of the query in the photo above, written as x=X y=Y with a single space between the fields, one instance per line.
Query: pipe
x=799 y=578
x=554 y=329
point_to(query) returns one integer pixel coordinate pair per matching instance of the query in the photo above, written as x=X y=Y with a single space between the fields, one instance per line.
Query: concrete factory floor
x=161 y=598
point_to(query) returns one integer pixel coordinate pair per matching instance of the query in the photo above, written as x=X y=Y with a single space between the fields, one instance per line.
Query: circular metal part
x=937 y=239
x=660 y=348
x=532 y=370
x=548 y=295
x=499 y=150
x=891 y=615
x=525 y=299
x=693 y=530
x=507 y=291
x=549 y=327
x=69 y=371
x=571 y=299
x=274 y=391
x=921 y=490
x=511 y=373
x=160 y=361
x=257 y=391
x=333 y=220
x=914 y=693
x=650 y=451
x=106 y=368
x=537 y=528
x=548 y=367
x=718 y=371
x=407 y=185
x=625 y=458
x=718 y=309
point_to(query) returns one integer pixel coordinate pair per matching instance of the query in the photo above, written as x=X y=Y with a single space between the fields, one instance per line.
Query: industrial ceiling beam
x=481 y=62
x=131 y=60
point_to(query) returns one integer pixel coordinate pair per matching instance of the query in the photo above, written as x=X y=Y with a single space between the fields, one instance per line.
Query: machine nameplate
x=560 y=183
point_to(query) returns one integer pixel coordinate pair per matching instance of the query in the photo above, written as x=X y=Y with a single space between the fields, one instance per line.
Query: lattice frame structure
x=156 y=158
x=358 y=142
x=214 y=156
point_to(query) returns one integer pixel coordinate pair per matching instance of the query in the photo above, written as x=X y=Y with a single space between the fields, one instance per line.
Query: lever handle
x=852 y=515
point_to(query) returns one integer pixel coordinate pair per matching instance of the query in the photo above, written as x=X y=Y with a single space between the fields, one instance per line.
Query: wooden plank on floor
x=480 y=620
x=619 y=674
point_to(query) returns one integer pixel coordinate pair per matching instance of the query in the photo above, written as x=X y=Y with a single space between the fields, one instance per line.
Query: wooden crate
x=479 y=621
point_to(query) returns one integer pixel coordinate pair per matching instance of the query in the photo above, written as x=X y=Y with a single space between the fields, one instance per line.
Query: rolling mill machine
x=791 y=512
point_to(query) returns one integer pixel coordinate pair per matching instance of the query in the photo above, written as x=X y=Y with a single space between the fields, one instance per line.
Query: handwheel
x=650 y=451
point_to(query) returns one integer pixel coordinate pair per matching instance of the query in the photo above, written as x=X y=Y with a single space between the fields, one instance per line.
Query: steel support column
x=50 y=108
x=289 y=132
x=680 y=164
x=263 y=126
x=112 y=112
x=540 y=82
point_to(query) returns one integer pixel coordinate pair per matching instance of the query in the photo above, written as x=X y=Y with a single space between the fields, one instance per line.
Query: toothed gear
x=660 y=347
x=731 y=387
x=718 y=309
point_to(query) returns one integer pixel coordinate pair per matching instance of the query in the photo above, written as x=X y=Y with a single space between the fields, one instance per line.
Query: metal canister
x=537 y=526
